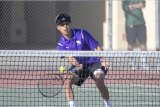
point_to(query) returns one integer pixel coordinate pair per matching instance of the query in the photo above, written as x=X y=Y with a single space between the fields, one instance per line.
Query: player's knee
x=69 y=79
x=67 y=84
x=99 y=74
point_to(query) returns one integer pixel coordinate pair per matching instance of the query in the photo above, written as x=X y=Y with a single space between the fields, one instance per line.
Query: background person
x=135 y=24
x=135 y=27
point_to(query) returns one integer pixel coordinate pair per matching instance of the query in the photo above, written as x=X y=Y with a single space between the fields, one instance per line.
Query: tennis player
x=80 y=39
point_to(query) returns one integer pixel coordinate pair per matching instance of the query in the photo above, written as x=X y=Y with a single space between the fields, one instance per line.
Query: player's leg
x=141 y=32
x=71 y=79
x=131 y=37
x=98 y=74
x=76 y=78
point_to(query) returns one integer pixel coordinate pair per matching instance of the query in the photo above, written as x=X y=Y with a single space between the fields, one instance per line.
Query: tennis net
x=133 y=78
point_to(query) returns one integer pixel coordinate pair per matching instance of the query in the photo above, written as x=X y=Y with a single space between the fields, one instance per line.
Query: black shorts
x=88 y=70
x=137 y=32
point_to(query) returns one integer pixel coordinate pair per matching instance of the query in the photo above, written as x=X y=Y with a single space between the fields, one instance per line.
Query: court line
x=152 y=104
x=124 y=90
x=130 y=103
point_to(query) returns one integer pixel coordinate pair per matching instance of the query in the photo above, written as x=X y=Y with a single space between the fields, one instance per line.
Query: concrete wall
x=91 y=17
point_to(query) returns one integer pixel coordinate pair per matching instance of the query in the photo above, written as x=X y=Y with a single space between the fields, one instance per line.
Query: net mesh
x=133 y=78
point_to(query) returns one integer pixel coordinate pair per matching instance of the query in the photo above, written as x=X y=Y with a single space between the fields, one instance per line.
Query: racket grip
x=74 y=69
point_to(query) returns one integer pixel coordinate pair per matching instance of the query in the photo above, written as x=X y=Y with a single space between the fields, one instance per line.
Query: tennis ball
x=61 y=69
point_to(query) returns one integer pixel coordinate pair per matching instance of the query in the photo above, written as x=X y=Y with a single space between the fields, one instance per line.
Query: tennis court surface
x=133 y=79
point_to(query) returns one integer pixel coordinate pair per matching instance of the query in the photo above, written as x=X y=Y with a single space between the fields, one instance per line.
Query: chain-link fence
x=29 y=24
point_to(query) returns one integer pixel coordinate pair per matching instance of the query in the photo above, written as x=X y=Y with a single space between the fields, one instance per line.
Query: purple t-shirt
x=81 y=40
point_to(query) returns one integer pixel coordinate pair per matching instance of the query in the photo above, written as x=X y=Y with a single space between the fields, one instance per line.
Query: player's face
x=64 y=28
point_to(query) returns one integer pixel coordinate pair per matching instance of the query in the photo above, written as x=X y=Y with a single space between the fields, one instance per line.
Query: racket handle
x=74 y=69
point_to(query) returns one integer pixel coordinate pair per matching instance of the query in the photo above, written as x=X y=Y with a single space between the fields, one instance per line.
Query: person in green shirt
x=135 y=28
x=135 y=23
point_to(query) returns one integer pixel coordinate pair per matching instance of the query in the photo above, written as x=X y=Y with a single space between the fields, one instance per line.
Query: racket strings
x=50 y=85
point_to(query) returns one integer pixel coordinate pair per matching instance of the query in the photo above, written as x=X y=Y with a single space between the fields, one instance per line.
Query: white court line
x=145 y=86
x=130 y=103
x=141 y=93
x=124 y=90
x=138 y=103
x=134 y=85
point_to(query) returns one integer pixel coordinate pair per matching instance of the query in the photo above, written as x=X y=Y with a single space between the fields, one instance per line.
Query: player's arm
x=139 y=5
x=75 y=67
x=103 y=60
x=71 y=60
x=99 y=48
x=74 y=62
x=94 y=45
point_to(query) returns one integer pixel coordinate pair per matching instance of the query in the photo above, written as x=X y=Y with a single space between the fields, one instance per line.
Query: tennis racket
x=50 y=85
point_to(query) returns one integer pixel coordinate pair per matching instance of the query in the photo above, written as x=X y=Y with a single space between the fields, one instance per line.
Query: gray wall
x=40 y=24
x=40 y=27
x=5 y=21
x=90 y=15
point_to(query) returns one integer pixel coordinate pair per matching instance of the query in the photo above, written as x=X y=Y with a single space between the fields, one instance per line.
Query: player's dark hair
x=63 y=17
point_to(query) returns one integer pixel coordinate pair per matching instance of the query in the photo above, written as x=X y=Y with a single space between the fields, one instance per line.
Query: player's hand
x=74 y=62
x=131 y=7
x=79 y=68
x=76 y=69
x=104 y=63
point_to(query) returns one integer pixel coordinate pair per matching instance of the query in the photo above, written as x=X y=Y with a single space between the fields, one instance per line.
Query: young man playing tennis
x=80 y=39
